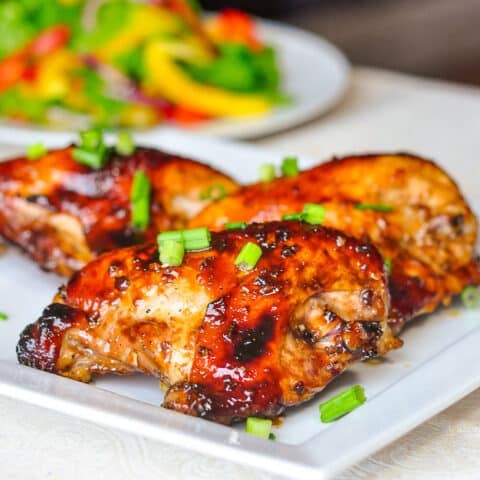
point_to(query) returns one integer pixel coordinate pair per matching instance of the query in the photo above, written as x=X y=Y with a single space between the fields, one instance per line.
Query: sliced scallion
x=196 y=238
x=95 y=159
x=92 y=152
x=388 y=265
x=91 y=139
x=314 y=213
x=374 y=206
x=140 y=200
x=125 y=144
x=3 y=316
x=293 y=216
x=342 y=404
x=171 y=253
x=471 y=296
x=260 y=427
x=235 y=225
x=170 y=235
x=36 y=151
x=267 y=172
x=248 y=257
x=290 y=166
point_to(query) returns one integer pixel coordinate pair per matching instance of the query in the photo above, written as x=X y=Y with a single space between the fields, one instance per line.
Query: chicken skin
x=409 y=208
x=228 y=343
x=64 y=214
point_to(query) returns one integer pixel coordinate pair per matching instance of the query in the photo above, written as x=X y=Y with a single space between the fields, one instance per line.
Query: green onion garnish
x=314 y=213
x=342 y=404
x=471 y=296
x=92 y=152
x=235 y=225
x=260 y=427
x=171 y=253
x=196 y=238
x=125 y=144
x=170 y=235
x=91 y=158
x=374 y=207
x=293 y=216
x=140 y=200
x=214 y=192
x=290 y=166
x=267 y=172
x=272 y=436
x=388 y=265
x=248 y=257
x=36 y=150
x=91 y=139
x=3 y=316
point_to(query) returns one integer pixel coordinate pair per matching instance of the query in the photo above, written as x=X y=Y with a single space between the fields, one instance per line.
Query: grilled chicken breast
x=228 y=343
x=64 y=214
x=409 y=208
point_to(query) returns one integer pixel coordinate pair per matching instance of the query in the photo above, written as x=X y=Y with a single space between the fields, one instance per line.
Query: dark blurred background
x=436 y=38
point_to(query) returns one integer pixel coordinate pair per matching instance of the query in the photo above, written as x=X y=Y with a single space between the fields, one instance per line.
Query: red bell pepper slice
x=19 y=66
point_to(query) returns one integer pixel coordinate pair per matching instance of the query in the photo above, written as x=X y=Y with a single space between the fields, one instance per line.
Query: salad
x=125 y=63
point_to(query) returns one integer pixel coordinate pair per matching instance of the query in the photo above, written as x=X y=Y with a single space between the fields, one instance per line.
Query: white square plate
x=437 y=366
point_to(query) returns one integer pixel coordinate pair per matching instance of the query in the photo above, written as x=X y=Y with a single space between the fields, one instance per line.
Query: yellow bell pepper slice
x=145 y=21
x=53 y=79
x=165 y=78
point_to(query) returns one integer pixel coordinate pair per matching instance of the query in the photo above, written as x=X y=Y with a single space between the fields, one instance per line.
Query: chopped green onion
x=36 y=150
x=125 y=144
x=196 y=238
x=170 y=235
x=171 y=253
x=140 y=217
x=374 y=207
x=471 y=296
x=272 y=436
x=314 y=213
x=248 y=257
x=3 y=316
x=267 y=172
x=388 y=265
x=141 y=185
x=342 y=403
x=140 y=200
x=293 y=216
x=260 y=427
x=290 y=166
x=91 y=158
x=235 y=225
x=91 y=139
x=92 y=152
x=214 y=192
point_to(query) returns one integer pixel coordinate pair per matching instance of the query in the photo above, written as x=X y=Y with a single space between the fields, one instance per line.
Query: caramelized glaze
x=65 y=214
x=429 y=236
x=228 y=343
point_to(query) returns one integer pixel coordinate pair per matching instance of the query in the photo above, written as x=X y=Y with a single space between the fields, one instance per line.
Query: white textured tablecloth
x=382 y=111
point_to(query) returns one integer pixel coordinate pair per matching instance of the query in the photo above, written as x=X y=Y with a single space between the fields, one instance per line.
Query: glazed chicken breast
x=228 y=343
x=64 y=214
x=409 y=208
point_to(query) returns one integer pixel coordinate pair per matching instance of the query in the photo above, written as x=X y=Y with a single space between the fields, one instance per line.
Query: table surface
x=382 y=111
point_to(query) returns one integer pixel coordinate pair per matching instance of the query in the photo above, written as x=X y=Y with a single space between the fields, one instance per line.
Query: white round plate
x=315 y=75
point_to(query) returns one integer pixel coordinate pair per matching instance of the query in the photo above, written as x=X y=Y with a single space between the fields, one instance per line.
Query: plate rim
x=36 y=387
